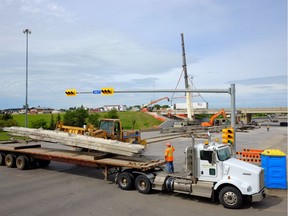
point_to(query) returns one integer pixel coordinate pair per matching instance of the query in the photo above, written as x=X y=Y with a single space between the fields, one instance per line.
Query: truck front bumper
x=259 y=196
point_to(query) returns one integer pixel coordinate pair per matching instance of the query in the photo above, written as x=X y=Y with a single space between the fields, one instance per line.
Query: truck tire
x=143 y=184
x=2 y=159
x=230 y=197
x=22 y=162
x=125 y=180
x=10 y=160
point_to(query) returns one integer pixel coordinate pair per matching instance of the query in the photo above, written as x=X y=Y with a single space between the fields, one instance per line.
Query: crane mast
x=190 y=112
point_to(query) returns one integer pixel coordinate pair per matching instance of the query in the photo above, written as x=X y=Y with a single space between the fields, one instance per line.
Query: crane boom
x=155 y=101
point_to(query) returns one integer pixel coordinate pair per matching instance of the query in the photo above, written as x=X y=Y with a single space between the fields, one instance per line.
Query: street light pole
x=26 y=31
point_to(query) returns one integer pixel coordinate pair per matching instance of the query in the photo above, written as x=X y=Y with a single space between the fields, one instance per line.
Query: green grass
x=142 y=120
x=4 y=136
x=20 y=118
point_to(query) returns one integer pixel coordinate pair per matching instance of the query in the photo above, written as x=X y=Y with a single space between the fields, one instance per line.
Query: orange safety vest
x=169 y=154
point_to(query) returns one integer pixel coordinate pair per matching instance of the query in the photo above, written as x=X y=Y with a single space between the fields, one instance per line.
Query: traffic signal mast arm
x=230 y=91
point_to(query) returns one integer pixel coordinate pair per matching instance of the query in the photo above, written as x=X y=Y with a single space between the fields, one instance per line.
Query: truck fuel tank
x=178 y=185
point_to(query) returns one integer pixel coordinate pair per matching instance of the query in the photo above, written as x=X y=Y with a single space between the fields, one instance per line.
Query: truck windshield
x=224 y=154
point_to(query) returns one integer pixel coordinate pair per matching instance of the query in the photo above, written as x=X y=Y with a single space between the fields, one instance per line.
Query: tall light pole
x=27 y=32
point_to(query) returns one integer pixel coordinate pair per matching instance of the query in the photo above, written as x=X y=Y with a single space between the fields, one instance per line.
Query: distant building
x=116 y=107
x=195 y=105
x=95 y=110
x=33 y=111
x=12 y=110
x=44 y=110
x=135 y=108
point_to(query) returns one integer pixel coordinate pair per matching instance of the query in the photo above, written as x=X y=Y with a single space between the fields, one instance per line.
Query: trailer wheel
x=43 y=163
x=125 y=180
x=2 y=159
x=10 y=160
x=230 y=197
x=22 y=162
x=143 y=184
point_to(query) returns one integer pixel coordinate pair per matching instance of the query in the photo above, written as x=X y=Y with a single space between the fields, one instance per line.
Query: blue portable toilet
x=275 y=171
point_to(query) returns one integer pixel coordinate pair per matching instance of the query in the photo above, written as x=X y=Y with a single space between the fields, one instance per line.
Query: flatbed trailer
x=24 y=156
x=209 y=170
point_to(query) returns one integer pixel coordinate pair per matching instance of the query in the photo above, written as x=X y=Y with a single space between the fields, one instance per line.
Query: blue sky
x=129 y=44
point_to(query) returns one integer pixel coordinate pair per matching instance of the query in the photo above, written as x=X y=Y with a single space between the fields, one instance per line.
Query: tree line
x=76 y=117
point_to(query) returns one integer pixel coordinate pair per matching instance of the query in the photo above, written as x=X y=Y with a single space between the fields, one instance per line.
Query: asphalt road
x=64 y=189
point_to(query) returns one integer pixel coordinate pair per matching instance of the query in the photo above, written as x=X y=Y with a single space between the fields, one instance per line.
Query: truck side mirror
x=213 y=159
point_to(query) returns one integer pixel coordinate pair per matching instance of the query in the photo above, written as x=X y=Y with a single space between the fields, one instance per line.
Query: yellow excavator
x=108 y=129
x=212 y=119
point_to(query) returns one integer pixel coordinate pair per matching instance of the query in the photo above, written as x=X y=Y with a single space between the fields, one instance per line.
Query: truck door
x=207 y=170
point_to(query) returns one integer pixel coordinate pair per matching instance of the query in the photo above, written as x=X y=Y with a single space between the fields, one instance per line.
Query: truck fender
x=242 y=187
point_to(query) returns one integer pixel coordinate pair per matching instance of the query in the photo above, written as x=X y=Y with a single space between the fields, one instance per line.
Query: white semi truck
x=210 y=171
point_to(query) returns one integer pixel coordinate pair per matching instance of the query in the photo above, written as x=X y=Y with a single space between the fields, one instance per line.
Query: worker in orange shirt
x=169 y=157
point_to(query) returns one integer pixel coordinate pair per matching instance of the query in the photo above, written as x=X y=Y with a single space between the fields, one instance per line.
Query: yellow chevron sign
x=70 y=92
x=107 y=91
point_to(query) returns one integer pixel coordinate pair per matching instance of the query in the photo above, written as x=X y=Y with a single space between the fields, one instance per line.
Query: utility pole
x=233 y=113
x=190 y=112
x=26 y=31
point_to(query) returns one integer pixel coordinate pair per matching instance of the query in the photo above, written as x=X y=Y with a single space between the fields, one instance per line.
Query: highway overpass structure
x=245 y=113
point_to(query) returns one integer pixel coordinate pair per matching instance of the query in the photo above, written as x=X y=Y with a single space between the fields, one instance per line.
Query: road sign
x=70 y=92
x=107 y=91
x=97 y=91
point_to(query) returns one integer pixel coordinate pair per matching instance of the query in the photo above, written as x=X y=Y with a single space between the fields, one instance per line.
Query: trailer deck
x=109 y=163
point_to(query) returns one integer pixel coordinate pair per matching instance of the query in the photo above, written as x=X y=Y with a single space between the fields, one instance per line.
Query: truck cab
x=210 y=159
x=210 y=170
x=231 y=179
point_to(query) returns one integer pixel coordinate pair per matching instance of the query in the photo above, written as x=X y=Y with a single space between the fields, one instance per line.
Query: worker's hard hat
x=168 y=144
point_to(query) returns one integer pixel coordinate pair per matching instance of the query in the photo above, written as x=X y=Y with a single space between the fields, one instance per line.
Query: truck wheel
x=143 y=184
x=230 y=197
x=125 y=180
x=2 y=159
x=22 y=162
x=10 y=160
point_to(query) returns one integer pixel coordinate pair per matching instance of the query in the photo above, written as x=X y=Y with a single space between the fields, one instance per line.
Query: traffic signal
x=70 y=92
x=107 y=91
x=228 y=135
